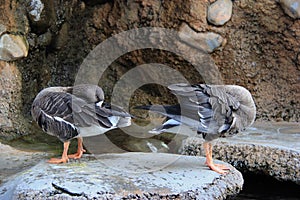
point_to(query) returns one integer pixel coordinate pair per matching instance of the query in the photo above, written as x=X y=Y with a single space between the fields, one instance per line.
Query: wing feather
x=63 y=114
x=212 y=104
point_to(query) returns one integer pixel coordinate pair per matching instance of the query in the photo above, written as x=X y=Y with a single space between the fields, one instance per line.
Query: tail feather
x=165 y=126
x=166 y=110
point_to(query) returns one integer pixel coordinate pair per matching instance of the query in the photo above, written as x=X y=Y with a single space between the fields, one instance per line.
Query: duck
x=76 y=112
x=211 y=111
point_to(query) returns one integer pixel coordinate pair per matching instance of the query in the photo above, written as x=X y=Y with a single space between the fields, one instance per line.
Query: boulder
x=13 y=47
x=219 y=12
x=205 y=41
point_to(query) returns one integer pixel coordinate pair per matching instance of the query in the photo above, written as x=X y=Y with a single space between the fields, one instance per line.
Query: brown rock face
x=260 y=50
x=11 y=119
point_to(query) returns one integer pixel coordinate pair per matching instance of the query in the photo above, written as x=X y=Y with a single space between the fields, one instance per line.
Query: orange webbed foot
x=77 y=155
x=58 y=160
x=224 y=167
x=221 y=169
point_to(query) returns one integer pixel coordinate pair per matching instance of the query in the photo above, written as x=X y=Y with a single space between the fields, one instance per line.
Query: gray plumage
x=79 y=111
x=212 y=110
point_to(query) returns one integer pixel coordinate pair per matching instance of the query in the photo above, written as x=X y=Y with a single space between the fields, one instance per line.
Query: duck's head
x=90 y=93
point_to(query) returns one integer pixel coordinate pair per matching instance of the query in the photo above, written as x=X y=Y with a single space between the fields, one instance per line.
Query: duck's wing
x=53 y=113
x=210 y=105
x=62 y=114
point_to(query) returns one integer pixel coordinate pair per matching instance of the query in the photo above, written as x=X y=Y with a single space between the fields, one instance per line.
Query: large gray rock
x=13 y=47
x=269 y=148
x=291 y=8
x=128 y=175
x=219 y=12
x=206 y=41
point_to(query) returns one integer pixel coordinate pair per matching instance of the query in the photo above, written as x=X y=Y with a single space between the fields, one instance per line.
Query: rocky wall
x=253 y=43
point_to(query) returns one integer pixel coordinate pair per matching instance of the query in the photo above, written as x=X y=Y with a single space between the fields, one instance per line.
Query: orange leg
x=209 y=161
x=80 y=150
x=64 y=158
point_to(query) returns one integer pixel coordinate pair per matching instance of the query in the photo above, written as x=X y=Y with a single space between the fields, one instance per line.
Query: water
x=261 y=187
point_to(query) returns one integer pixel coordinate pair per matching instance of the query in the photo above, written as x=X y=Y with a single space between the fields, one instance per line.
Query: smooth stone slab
x=128 y=175
x=269 y=148
x=13 y=161
x=207 y=41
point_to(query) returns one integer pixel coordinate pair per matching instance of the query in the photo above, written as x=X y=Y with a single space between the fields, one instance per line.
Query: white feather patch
x=93 y=130
x=64 y=121
x=171 y=122
x=99 y=103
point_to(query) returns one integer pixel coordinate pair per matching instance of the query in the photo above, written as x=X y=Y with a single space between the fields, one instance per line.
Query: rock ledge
x=267 y=148
x=128 y=175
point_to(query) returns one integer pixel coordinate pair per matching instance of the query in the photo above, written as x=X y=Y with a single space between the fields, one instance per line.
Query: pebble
x=13 y=47
x=207 y=41
x=291 y=8
x=36 y=9
x=219 y=12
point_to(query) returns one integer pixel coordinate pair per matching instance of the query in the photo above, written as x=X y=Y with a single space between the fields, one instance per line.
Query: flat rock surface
x=269 y=148
x=280 y=135
x=13 y=161
x=127 y=175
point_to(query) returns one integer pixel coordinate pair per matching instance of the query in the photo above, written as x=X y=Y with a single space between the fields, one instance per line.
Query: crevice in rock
x=66 y=191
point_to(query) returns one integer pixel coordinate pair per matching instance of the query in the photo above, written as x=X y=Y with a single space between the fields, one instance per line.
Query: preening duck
x=213 y=111
x=76 y=112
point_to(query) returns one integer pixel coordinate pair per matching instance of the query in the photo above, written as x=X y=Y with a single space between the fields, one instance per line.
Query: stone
x=44 y=39
x=268 y=148
x=2 y=29
x=219 y=12
x=62 y=37
x=41 y=14
x=13 y=47
x=291 y=8
x=36 y=9
x=13 y=161
x=198 y=15
x=127 y=175
x=207 y=41
x=10 y=97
